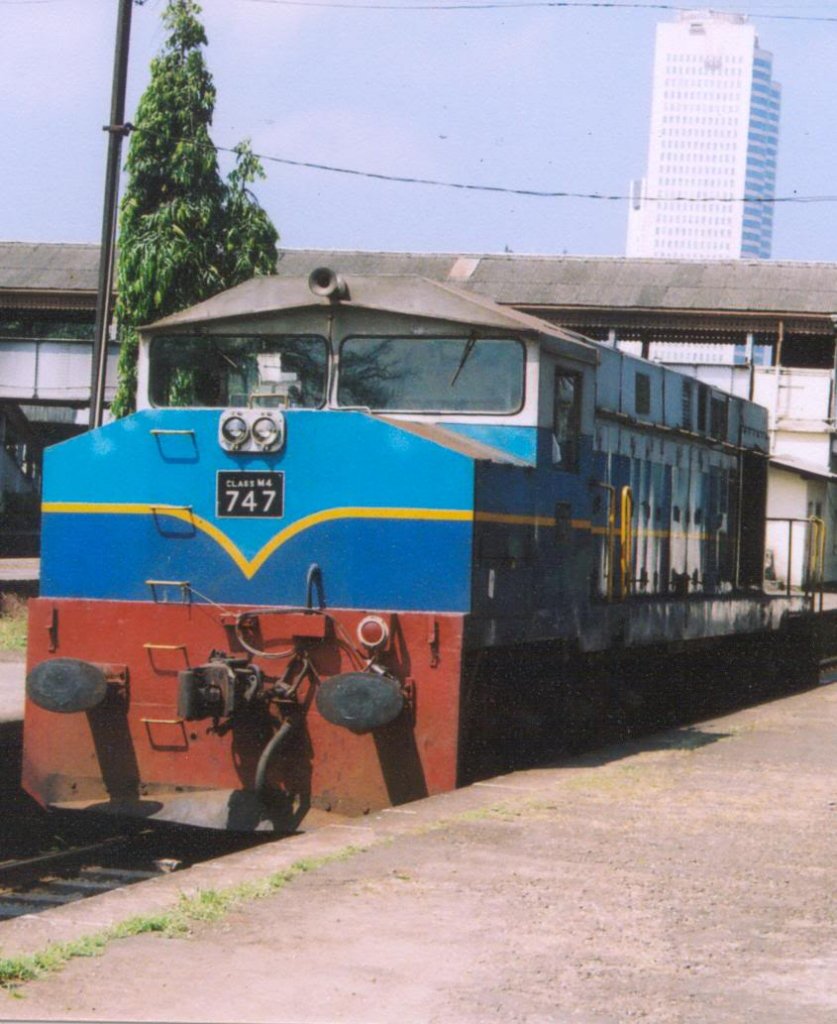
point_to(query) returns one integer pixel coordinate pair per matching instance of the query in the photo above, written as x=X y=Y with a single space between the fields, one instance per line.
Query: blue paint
x=521 y=442
x=331 y=460
x=374 y=564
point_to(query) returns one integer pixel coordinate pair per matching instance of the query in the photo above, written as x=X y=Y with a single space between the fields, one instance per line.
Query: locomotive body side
x=641 y=522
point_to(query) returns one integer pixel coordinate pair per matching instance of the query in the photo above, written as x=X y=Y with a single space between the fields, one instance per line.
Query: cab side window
x=566 y=420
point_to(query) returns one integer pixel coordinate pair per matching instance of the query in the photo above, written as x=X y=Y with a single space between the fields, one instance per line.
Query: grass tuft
x=13 y=623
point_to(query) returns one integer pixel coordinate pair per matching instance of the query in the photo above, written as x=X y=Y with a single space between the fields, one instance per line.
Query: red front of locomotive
x=343 y=713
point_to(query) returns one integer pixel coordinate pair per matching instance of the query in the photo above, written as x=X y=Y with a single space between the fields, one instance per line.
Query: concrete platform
x=19 y=570
x=12 y=688
x=685 y=878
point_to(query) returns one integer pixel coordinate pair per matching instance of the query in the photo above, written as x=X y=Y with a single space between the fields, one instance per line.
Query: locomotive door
x=593 y=487
x=567 y=387
x=614 y=529
x=562 y=422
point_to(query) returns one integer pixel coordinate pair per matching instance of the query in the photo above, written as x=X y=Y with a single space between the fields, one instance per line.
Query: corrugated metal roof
x=801 y=467
x=48 y=266
x=593 y=282
x=604 y=281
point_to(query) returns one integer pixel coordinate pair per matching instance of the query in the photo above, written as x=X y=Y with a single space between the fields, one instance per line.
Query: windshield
x=219 y=371
x=402 y=374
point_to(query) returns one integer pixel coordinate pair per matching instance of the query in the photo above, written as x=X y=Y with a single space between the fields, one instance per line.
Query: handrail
x=814 y=568
x=610 y=536
x=184 y=586
x=626 y=553
x=816 y=559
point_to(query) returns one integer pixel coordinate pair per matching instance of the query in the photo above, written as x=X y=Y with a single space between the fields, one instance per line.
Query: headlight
x=251 y=430
x=234 y=430
x=265 y=431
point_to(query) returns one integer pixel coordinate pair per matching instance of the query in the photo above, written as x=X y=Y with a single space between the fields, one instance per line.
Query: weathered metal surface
x=602 y=281
x=409 y=296
x=640 y=624
x=48 y=266
x=66 y=273
x=134 y=752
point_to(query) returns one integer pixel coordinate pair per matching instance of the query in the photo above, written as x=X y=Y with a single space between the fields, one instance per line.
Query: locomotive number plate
x=248 y=495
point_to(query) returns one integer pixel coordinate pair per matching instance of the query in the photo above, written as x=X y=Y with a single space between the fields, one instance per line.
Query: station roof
x=594 y=282
x=801 y=467
x=52 y=275
x=48 y=275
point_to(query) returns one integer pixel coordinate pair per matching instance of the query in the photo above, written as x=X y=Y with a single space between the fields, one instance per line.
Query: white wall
x=51 y=370
x=786 y=543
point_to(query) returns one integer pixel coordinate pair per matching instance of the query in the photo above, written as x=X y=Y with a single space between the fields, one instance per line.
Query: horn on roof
x=328 y=284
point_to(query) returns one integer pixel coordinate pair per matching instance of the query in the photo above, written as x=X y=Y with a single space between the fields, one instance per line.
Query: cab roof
x=262 y=297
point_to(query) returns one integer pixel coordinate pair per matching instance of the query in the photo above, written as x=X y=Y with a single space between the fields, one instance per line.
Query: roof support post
x=751 y=364
x=832 y=400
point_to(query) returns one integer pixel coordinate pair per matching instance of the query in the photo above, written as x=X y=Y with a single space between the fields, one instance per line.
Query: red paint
x=138 y=746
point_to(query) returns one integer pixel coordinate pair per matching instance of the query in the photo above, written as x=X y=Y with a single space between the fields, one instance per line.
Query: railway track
x=45 y=881
x=30 y=885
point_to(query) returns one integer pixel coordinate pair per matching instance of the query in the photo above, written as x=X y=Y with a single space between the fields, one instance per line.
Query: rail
x=812 y=563
x=48 y=880
x=28 y=867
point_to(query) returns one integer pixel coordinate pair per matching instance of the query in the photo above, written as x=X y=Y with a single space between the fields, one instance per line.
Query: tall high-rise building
x=712 y=151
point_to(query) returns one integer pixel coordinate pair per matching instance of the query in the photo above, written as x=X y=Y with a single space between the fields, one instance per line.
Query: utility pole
x=117 y=130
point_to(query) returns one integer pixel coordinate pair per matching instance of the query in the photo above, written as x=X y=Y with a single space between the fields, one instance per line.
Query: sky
x=526 y=97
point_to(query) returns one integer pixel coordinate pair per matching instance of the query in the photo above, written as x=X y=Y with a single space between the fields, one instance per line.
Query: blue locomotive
x=364 y=537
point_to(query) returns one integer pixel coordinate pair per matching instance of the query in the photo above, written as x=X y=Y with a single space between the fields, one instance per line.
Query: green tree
x=250 y=237
x=184 y=233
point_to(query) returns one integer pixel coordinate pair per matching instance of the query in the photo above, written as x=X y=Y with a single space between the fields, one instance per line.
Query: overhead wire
x=483 y=5
x=501 y=189
x=493 y=5
x=382 y=5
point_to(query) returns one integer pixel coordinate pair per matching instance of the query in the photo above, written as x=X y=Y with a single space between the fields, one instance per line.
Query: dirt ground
x=685 y=878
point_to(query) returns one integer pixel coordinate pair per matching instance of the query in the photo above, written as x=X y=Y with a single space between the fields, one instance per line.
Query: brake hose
x=278 y=740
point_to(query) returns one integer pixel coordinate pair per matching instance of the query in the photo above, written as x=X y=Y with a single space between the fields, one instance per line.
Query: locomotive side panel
x=629 y=529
